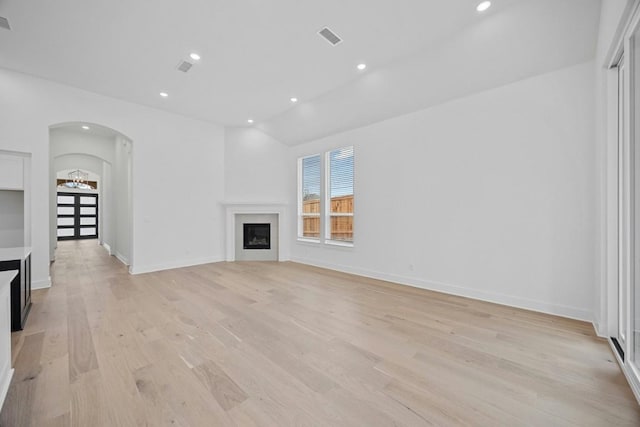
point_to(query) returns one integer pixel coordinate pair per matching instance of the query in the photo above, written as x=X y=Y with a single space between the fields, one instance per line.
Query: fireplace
x=238 y=214
x=256 y=236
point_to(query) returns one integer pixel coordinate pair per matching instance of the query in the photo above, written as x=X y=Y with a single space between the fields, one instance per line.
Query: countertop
x=10 y=254
x=7 y=276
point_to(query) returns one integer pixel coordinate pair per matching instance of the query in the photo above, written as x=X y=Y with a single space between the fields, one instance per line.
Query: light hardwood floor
x=278 y=344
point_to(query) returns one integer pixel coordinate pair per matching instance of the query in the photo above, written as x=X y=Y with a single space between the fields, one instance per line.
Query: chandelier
x=78 y=176
x=78 y=179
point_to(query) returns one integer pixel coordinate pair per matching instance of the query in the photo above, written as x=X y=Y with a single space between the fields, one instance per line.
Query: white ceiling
x=257 y=54
x=525 y=40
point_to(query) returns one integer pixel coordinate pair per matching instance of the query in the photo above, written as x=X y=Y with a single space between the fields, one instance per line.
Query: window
x=334 y=198
x=309 y=197
x=339 y=206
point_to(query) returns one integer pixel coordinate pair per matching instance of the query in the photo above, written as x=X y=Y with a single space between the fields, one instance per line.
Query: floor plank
x=279 y=344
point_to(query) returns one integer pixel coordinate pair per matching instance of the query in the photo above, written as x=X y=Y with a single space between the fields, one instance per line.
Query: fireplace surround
x=238 y=213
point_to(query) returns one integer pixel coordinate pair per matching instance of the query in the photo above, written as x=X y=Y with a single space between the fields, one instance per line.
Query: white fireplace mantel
x=242 y=208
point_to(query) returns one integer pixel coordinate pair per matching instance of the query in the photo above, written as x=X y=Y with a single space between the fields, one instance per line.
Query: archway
x=107 y=154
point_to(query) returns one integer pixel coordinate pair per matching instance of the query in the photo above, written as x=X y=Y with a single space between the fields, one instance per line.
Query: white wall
x=121 y=178
x=108 y=222
x=65 y=140
x=490 y=196
x=256 y=167
x=173 y=224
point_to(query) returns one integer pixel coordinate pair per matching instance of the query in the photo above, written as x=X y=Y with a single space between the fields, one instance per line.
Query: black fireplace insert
x=257 y=236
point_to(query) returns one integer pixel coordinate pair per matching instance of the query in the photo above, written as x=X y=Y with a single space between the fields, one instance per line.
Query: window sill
x=339 y=243
x=307 y=240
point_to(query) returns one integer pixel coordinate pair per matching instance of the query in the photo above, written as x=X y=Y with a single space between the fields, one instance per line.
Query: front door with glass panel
x=77 y=216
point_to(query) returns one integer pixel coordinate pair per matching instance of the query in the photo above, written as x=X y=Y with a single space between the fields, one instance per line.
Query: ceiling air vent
x=4 y=23
x=185 y=66
x=330 y=36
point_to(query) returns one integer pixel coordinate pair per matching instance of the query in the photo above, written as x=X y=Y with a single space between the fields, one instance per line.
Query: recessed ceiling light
x=294 y=99
x=85 y=127
x=164 y=94
x=483 y=6
x=362 y=66
x=195 y=56
x=250 y=121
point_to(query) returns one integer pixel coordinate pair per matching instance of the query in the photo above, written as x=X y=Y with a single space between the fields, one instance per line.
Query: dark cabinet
x=20 y=291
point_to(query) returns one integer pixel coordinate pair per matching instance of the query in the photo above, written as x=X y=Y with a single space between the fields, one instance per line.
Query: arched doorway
x=105 y=156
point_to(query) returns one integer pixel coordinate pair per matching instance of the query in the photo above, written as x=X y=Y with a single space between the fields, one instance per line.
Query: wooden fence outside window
x=341 y=226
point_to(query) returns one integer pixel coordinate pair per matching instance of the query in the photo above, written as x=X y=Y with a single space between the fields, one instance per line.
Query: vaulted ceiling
x=256 y=55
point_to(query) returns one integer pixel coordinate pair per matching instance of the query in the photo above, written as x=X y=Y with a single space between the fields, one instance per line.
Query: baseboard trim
x=107 y=247
x=598 y=329
x=41 y=284
x=176 y=264
x=508 y=300
x=123 y=259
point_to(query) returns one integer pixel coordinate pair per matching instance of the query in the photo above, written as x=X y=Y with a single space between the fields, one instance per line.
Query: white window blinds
x=309 y=197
